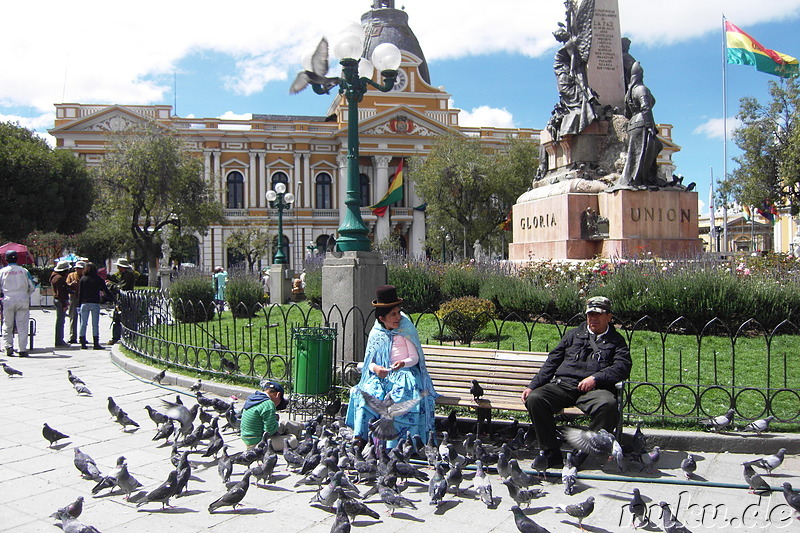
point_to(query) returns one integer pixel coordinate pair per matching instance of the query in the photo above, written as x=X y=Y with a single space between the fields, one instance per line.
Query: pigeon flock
x=196 y=434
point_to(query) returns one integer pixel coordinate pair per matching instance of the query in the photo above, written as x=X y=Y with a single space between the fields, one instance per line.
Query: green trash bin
x=313 y=360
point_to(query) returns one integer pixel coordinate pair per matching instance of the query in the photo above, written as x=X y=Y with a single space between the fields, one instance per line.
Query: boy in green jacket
x=260 y=415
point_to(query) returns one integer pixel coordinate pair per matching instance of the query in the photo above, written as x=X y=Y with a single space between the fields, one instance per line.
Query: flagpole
x=711 y=218
x=724 y=134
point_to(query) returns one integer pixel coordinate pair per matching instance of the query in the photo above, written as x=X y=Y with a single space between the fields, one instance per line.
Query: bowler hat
x=62 y=266
x=277 y=387
x=386 y=296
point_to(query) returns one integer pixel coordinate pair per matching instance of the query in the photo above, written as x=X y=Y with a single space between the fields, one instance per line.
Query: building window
x=323 y=185
x=364 y=184
x=235 y=190
x=279 y=177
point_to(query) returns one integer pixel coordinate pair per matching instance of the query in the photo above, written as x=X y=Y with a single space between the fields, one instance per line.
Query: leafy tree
x=47 y=247
x=102 y=241
x=769 y=137
x=40 y=189
x=250 y=243
x=150 y=181
x=470 y=188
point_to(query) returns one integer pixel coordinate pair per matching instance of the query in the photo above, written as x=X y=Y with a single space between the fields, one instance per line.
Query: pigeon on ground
x=184 y=474
x=540 y=464
x=225 y=465
x=341 y=524
x=328 y=495
x=476 y=390
x=638 y=444
x=234 y=496
x=520 y=495
x=70 y=524
x=518 y=442
x=109 y=480
x=437 y=487
x=80 y=388
x=74 y=509
x=85 y=465
x=126 y=481
x=521 y=478
x=74 y=379
x=431 y=450
x=384 y=428
x=717 y=423
x=197 y=386
x=11 y=371
x=759 y=426
x=671 y=523
x=315 y=71
x=391 y=498
x=165 y=431
x=453 y=458
x=650 y=459
x=162 y=493
x=483 y=485
x=113 y=408
x=769 y=462
x=266 y=470
x=579 y=510
x=569 y=475
x=157 y=417
x=450 y=424
x=600 y=443
x=124 y=420
x=792 y=497
x=689 y=466
x=454 y=477
x=52 y=435
x=227 y=365
x=354 y=507
x=638 y=509
x=525 y=524
x=333 y=408
x=160 y=376
x=755 y=481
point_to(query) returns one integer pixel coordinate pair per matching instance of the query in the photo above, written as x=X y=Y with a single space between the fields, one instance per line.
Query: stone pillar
x=223 y=190
x=298 y=180
x=207 y=166
x=416 y=244
x=381 y=184
x=349 y=280
x=262 y=198
x=604 y=69
x=280 y=283
x=308 y=179
x=252 y=177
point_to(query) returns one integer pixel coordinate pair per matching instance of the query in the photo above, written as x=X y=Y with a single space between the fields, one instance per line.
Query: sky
x=233 y=59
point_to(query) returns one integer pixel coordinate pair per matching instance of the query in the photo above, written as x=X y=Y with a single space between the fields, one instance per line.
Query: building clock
x=401 y=82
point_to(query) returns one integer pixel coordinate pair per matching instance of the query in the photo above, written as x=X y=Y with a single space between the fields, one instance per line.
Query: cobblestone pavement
x=35 y=479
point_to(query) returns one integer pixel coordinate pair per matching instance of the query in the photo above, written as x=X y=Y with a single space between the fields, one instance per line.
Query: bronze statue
x=577 y=104
x=641 y=169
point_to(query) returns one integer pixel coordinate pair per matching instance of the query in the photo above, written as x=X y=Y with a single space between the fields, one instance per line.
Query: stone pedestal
x=547 y=223
x=349 y=280
x=280 y=283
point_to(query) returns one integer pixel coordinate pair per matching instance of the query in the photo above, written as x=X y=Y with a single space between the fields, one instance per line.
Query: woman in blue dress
x=394 y=366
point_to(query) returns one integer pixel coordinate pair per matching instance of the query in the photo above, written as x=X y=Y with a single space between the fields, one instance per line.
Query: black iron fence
x=681 y=370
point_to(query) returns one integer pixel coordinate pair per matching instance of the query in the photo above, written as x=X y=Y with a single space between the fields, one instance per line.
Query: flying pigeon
x=755 y=481
x=769 y=462
x=52 y=435
x=85 y=465
x=671 y=523
x=759 y=426
x=179 y=413
x=579 y=510
x=717 y=423
x=600 y=443
x=384 y=428
x=638 y=509
x=11 y=371
x=476 y=390
x=234 y=496
x=689 y=465
x=160 y=376
x=74 y=509
x=315 y=72
x=525 y=524
x=792 y=497
x=162 y=493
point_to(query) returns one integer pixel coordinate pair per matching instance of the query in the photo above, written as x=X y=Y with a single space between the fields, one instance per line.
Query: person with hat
x=394 y=366
x=16 y=284
x=581 y=371
x=73 y=280
x=89 y=290
x=260 y=418
x=123 y=280
x=58 y=281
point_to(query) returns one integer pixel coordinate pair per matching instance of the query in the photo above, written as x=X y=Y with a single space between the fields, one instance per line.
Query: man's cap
x=11 y=256
x=598 y=304
x=80 y=264
x=122 y=262
x=277 y=387
x=62 y=266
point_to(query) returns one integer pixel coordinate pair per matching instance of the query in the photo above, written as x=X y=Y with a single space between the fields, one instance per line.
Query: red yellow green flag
x=744 y=50
x=393 y=195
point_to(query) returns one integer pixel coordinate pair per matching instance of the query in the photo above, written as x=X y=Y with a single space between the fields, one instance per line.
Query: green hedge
x=192 y=297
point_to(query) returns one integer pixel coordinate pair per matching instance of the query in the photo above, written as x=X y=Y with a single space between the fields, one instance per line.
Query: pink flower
x=604 y=272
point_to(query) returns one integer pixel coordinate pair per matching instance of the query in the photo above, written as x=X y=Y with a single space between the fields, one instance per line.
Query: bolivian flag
x=393 y=195
x=744 y=50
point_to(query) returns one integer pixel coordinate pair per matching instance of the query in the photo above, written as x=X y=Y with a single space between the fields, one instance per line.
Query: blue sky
x=495 y=59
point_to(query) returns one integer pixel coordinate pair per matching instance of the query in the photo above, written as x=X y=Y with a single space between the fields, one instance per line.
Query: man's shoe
x=578 y=457
x=62 y=345
x=23 y=354
x=10 y=352
x=72 y=340
x=554 y=459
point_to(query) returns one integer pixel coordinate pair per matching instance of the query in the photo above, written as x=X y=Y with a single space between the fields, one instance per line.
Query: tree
x=47 y=247
x=149 y=182
x=102 y=241
x=769 y=137
x=40 y=189
x=250 y=243
x=470 y=189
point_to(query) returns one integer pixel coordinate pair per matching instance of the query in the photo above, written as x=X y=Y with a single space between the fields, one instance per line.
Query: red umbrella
x=24 y=257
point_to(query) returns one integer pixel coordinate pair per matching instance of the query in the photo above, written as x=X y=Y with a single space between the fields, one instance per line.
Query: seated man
x=260 y=416
x=581 y=371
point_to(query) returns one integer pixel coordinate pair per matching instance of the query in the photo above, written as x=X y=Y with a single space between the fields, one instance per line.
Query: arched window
x=364 y=184
x=279 y=177
x=235 y=190
x=323 y=186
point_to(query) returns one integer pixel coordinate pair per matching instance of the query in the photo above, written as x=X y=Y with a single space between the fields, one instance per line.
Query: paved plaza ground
x=36 y=480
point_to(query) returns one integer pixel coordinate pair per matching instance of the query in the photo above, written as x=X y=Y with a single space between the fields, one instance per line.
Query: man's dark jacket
x=574 y=359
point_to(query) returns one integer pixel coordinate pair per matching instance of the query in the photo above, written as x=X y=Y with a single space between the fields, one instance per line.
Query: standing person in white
x=16 y=284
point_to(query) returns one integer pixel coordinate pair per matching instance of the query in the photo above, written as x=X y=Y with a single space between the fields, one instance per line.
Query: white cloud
x=714 y=128
x=487 y=117
x=230 y=115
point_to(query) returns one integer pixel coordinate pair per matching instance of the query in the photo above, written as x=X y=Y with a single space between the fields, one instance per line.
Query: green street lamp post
x=280 y=200
x=355 y=79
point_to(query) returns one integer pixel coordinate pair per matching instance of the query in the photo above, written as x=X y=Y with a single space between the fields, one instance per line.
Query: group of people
x=78 y=290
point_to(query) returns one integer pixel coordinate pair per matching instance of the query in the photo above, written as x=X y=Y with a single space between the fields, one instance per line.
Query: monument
x=599 y=189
